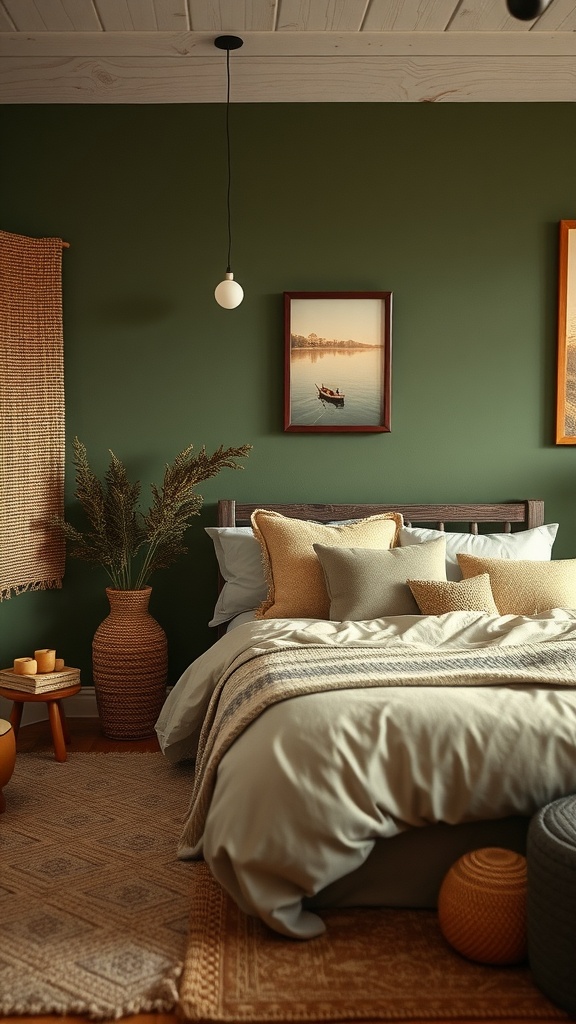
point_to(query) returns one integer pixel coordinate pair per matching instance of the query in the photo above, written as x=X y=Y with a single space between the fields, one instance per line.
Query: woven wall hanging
x=32 y=441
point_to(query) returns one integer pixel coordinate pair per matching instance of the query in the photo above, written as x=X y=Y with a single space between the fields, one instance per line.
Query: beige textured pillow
x=365 y=584
x=472 y=595
x=525 y=588
x=294 y=575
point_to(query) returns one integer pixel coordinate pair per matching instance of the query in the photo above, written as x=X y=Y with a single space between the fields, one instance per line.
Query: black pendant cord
x=228 y=271
x=228 y=43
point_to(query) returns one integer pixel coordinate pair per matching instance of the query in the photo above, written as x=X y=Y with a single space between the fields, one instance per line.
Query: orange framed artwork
x=566 y=387
x=337 y=361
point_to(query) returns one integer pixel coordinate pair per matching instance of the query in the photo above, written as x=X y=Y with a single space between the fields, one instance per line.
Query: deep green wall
x=453 y=207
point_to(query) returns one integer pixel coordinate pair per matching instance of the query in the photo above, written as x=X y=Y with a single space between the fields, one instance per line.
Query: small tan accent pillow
x=366 y=584
x=294 y=575
x=525 y=588
x=472 y=595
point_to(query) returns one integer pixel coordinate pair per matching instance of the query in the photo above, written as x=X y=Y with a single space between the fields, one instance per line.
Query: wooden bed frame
x=507 y=516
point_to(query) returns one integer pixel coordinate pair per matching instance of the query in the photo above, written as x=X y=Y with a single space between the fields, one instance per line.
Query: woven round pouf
x=7 y=758
x=551 y=909
x=482 y=906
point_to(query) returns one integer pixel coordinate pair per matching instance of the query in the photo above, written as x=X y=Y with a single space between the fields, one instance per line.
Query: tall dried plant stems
x=119 y=532
x=176 y=502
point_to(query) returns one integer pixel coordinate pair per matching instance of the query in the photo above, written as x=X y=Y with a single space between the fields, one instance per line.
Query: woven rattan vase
x=130 y=666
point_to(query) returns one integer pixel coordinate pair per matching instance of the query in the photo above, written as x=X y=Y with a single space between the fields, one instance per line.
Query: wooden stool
x=53 y=700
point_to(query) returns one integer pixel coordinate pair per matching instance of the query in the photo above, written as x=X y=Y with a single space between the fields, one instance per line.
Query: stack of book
x=42 y=682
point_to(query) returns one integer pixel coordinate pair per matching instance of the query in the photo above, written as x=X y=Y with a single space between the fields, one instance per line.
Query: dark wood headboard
x=507 y=516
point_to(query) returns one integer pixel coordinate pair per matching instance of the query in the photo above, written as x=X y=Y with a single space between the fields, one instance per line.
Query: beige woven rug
x=32 y=444
x=371 y=965
x=94 y=905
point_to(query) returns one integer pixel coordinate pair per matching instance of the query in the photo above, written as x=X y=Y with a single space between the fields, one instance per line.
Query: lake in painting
x=358 y=373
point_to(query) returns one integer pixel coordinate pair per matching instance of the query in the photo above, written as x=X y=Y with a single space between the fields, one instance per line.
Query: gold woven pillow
x=525 y=588
x=472 y=595
x=296 y=587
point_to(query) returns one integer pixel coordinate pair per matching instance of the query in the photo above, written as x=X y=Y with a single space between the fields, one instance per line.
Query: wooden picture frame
x=566 y=386
x=337 y=348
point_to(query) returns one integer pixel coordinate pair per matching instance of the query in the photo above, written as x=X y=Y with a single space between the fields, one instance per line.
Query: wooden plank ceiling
x=298 y=51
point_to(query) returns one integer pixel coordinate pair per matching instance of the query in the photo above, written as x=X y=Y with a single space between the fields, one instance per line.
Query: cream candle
x=25 y=666
x=45 y=659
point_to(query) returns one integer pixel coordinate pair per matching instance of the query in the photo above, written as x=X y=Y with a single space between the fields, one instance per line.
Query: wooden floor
x=85 y=735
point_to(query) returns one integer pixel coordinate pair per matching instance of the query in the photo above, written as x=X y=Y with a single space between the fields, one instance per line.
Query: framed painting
x=566 y=387
x=337 y=349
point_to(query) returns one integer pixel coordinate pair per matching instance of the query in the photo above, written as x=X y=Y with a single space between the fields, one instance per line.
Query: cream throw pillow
x=525 y=588
x=365 y=584
x=294 y=575
x=473 y=595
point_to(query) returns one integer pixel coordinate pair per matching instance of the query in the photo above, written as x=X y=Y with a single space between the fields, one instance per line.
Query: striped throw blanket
x=254 y=682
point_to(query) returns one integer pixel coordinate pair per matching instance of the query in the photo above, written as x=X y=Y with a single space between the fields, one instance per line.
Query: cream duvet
x=315 y=739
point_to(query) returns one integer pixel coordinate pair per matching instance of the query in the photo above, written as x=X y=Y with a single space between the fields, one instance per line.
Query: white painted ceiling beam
x=285 y=44
x=384 y=79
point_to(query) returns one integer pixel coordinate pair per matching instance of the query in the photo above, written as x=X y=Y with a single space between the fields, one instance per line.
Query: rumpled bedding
x=306 y=789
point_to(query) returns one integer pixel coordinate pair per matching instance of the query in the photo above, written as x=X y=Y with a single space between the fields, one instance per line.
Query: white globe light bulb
x=228 y=293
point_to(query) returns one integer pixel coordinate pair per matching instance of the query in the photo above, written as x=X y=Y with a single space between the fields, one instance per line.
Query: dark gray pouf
x=551 y=906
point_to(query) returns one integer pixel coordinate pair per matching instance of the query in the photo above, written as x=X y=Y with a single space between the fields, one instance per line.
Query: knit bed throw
x=32 y=442
x=258 y=679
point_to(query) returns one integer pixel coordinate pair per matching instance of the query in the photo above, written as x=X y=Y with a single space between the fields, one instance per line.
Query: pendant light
x=228 y=293
x=526 y=10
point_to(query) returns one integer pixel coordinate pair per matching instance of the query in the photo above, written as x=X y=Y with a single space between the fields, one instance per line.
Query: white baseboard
x=81 y=705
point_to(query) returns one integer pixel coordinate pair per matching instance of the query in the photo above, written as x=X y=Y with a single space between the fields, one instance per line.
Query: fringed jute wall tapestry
x=32 y=442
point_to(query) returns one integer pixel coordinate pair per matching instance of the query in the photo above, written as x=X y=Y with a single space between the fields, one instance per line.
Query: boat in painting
x=330 y=395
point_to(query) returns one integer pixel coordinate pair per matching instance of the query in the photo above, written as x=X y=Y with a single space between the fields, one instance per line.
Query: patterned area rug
x=94 y=905
x=371 y=965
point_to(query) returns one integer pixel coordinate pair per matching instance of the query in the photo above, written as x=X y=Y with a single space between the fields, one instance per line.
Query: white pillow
x=527 y=545
x=239 y=557
x=240 y=561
